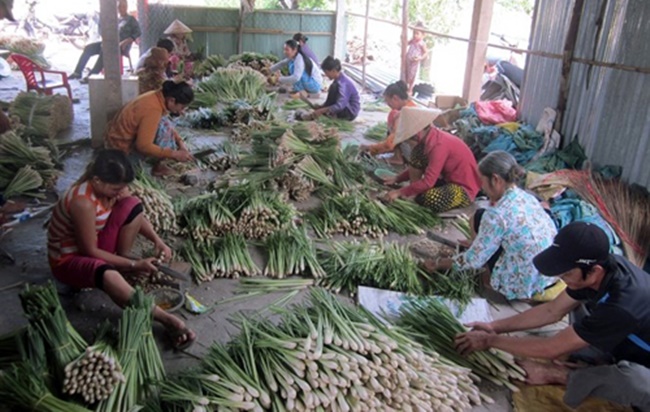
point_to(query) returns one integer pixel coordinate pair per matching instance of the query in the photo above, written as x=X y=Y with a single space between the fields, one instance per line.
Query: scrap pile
x=24 y=168
x=322 y=356
x=58 y=371
x=256 y=61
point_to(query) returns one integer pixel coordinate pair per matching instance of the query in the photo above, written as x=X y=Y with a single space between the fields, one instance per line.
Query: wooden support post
x=338 y=48
x=240 y=30
x=147 y=39
x=365 y=45
x=405 y=38
x=569 y=47
x=477 y=49
x=112 y=62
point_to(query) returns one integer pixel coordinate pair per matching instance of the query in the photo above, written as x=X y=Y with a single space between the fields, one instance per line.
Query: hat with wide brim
x=177 y=27
x=413 y=120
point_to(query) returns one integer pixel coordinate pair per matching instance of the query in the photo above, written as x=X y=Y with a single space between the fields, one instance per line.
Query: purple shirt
x=309 y=53
x=348 y=96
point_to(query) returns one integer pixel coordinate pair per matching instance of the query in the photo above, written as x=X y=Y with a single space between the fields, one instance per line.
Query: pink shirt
x=449 y=158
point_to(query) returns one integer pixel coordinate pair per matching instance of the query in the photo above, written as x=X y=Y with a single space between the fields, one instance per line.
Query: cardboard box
x=447 y=118
x=449 y=101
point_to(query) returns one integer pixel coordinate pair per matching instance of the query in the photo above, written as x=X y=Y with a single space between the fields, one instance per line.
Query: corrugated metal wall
x=320 y=27
x=607 y=109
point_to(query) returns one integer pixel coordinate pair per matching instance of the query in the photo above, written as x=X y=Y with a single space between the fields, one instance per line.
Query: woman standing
x=442 y=172
x=510 y=233
x=396 y=97
x=144 y=125
x=92 y=230
x=415 y=54
x=303 y=71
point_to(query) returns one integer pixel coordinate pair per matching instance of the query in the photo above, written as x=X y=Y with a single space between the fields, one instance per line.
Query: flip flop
x=184 y=344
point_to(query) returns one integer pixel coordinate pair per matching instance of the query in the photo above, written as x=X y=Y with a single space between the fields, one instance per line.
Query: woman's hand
x=182 y=156
x=319 y=112
x=469 y=342
x=389 y=181
x=392 y=195
x=147 y=265
x=163 y=251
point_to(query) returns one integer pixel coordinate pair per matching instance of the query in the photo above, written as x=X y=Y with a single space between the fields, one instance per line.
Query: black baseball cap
x=575 y=245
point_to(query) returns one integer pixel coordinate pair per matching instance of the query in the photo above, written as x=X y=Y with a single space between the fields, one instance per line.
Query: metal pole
x=365 y=45
x=405 y=37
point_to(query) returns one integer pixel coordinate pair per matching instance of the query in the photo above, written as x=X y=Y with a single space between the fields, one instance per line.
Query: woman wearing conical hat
x=179 y=34
x=442 y=172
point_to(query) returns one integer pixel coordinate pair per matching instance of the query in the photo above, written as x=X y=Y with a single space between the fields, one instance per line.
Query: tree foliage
x=518 y=5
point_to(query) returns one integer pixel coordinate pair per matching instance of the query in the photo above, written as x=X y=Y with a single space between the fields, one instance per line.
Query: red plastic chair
x=45 y=86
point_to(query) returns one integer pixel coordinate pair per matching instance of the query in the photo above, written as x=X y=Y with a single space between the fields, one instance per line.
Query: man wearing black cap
x=617 y=296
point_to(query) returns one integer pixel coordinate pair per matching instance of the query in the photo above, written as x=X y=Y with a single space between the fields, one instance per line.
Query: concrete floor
x=86 y=310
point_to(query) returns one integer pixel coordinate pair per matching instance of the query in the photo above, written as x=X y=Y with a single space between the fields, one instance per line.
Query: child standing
x=416 y=52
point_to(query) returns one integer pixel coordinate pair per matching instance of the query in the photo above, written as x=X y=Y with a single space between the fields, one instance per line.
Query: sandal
x=179 y=333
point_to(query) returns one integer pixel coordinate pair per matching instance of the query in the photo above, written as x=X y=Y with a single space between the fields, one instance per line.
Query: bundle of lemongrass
x=43 y=116
x=242 y=209
x=256 y=61
x=225 y=156
x=377 y=132
x=459 y=286
x=358 y=215
x=158 y=207
x=322 y=356
x=10 y=347
x=291 y=252
x=16 y=153
x=432 y=324
x=230 y=84
x=386 y=266
x=209 y=65
x=227 y=256
x=25 y=183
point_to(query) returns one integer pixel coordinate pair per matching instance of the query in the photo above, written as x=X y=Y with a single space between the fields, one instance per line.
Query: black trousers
x=90 y=50
x=332 y=97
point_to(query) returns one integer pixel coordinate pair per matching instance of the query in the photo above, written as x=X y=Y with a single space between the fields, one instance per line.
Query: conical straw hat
x=412 y=120
x=177 y=27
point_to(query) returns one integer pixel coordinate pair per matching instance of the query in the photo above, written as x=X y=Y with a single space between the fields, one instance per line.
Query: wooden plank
x=477 y=49
x=339 y=30
x=569 y=48
x=405 y=38
x=364 y=60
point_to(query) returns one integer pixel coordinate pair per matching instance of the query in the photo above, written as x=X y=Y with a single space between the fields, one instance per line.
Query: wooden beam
x=338 y=48
x=569 y=48
x=405 y=38
x=365 y=45
x=477 y=49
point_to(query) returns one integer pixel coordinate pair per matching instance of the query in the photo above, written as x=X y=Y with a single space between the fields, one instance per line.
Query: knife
x=167 y=270
x=436 y=237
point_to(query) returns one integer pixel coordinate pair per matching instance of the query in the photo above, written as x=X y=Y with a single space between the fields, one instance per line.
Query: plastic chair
x=45 y=86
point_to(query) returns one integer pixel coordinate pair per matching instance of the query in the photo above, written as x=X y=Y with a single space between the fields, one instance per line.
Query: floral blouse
x=518 y=224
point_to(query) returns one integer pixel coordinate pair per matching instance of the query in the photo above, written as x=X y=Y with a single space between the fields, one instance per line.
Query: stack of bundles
x=209 y=65
x=113 y=374
x=158 y=207
x=358 y=215
x=301 y=160
x=322 y=356
x=43 y=116
x=24 y=168
x=242 y=209
x=385 y=266
x=229 y=85
x=225 y=156
x=26 y=46
x=256 y=61
x=244 y=116
x=291 y=252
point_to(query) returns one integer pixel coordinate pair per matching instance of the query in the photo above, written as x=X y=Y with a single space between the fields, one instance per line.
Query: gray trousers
x=624 y=383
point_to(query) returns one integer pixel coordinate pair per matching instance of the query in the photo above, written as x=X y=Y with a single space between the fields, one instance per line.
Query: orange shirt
x=61 y=241
x=388 y=144
x=136 y=124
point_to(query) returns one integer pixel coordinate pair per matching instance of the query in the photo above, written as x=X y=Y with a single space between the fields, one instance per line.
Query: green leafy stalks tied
x=377 y=132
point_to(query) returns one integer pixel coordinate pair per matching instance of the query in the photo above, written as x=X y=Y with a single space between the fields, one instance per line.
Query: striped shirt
x=61 y=241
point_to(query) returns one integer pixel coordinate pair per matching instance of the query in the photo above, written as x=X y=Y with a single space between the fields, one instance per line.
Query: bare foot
x=181 y=336
x=544 y=373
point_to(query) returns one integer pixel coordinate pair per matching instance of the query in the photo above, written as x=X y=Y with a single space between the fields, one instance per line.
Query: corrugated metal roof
x=608 y=109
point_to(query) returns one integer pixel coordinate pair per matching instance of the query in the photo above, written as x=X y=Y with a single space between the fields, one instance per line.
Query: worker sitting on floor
x=92 y=230
x=442 y=171
x=342 y=97
x=304 y=74
x=509 y=234
x=396 y=97
x=615 y=295
x=144 y=125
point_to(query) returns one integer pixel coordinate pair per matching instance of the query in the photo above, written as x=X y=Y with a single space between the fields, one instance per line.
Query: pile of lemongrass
x=229 y=84
x=291 y=252
x=227 y=256
x=43 y=116
x=323 y=355
x=16 y=152
x=225 y=157
x=386 y=266
x=377 y=132
x=158 y=207
x=432 y=324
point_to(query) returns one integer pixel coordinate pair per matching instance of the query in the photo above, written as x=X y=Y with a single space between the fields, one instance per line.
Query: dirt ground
x=88 y=309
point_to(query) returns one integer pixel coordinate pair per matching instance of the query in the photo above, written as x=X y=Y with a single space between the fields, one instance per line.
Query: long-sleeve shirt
x=347 y=96
x=388 y=144
x=518 y=224
x=298 y=70
x=128 y=27
x=135 y=126
x=309 y=53
x=449 y=158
